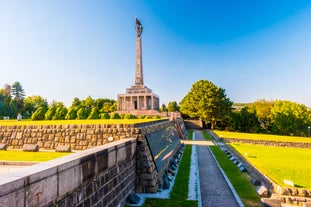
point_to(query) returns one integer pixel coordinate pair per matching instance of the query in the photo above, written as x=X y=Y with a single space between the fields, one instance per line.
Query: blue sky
x=62 y=49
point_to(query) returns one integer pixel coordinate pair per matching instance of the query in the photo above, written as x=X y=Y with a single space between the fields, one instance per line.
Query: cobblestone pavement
x=215 y=191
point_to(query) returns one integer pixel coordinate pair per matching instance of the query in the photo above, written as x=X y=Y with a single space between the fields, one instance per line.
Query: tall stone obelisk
x=139 y=77
x=139 y=99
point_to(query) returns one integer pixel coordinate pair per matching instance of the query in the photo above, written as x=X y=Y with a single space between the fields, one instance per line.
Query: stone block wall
x=78 y=137
x=101 y=176
x=148 y=178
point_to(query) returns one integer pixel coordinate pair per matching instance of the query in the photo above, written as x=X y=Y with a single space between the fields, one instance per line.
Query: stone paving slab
x=215 y=191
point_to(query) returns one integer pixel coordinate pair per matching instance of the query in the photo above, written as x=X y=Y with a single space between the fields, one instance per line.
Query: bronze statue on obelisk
x=139 y=78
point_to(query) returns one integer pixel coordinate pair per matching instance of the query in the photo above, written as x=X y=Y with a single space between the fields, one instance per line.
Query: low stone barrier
x=101 y=176
x=268 y=143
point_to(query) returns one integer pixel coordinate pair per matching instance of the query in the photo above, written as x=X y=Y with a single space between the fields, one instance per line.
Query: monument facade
x=138 y=99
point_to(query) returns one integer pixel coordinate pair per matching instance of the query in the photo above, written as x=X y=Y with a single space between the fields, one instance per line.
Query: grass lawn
x=280 y=163
x=30 y=156
x=239 y=180
x=278 y=138
x=58 y=122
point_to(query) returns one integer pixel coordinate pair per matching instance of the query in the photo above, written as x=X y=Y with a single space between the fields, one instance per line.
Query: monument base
x=141 y=112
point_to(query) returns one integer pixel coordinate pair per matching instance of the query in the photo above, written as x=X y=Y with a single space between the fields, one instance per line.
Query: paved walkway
x=215 y=191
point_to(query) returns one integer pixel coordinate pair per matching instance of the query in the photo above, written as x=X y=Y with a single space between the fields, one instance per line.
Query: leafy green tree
x=71 y=114
x=172 y=106
x=18 y=94
x=39 y=113
x=32 y=103
x=289 y=118
x=82 y=113
x=60 y=113
x=115 y=116
x=104 y=116
x=94 y=114
x=50 y=112
x=207 y=102
x=248 y=120
x=76 y=104
x=263 y=112
x=163 y=108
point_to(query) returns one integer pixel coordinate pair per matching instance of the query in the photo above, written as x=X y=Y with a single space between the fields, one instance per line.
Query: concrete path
x=215 y=191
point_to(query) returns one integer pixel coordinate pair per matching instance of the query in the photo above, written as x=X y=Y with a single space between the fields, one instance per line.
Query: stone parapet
x=101 y=176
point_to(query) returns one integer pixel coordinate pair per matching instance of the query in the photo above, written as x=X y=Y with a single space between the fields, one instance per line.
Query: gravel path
x=215 y=191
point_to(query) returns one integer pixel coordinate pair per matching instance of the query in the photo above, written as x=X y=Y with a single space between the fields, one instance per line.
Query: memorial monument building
x=138 y=99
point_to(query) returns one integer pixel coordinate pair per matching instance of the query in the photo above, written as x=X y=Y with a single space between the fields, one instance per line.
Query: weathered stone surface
x=63 y=148
x=271 y=202
x=263 y=191
x=31 y=147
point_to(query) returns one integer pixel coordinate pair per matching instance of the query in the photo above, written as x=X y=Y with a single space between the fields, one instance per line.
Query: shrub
x=148 y=117
x=94 y=114
x=115 y=116
x=82 y=113
x=50 y=113
x=39 y=114
x=71 y=114
x=157 y=117
x=104 y=116
x=60 y=113
x=130 y=116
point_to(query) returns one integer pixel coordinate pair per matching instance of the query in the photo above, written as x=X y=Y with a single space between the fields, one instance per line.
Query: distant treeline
x=277 y=117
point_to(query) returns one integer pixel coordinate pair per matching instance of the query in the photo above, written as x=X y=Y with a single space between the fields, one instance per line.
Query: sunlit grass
x=279 y=163
x=239 y=180
x=69 y=122
x=22 y=156
x=268 y=137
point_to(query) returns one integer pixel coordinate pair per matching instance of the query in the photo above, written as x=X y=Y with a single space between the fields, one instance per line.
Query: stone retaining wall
x=101 y=176
x=268 y=143
x=77 y=136
x=149 y=179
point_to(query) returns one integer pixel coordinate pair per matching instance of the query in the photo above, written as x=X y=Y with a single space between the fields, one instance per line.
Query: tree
x=289 y=118
x=263 y=112
x=32 y=103
x=172 y=106
x=71 y=114
x=207 y=102
x=18 y=94
x=76 y=104
x=163 y=108
x=39 y=113
x=82 y=113
x=50 y=112
x=94 y=114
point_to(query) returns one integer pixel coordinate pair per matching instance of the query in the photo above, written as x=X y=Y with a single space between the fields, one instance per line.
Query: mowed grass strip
x=72 y=122
x=22 y=156
x=267 y=137
x=179 y=194
x=279 y=163
x=239 y=180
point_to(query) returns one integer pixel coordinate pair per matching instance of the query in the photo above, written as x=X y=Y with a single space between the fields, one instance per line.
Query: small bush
x=104 y=116
x=148 y=117
x=71 y=114
x=129 y=116
x=115 y=116
x=82 y=113
x=157 y=117
x=39 y=114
